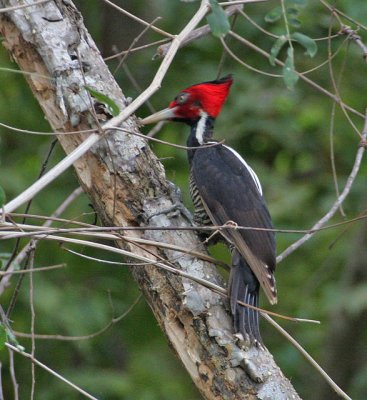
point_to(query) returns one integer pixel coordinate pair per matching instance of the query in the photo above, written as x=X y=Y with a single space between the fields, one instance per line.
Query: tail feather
x=244 y=286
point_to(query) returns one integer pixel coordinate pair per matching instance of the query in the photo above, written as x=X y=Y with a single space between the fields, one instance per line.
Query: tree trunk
x=126 y=184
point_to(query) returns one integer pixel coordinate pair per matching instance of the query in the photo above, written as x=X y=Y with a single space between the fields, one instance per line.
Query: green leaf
x=296 y=23
x=218 y=20
x=294 y=12
x=3 y=336
x=111 y=105
x=274 y=14
x=289 y=73
x=277 y=46
x=2 y=196
x=308 y=43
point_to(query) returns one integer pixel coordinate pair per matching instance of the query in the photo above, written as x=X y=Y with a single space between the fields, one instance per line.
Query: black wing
x=230 y=191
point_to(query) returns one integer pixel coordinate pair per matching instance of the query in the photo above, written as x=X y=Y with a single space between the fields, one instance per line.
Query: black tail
x=244 y=286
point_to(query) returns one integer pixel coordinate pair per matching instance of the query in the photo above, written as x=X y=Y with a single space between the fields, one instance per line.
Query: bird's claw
x=177 y=207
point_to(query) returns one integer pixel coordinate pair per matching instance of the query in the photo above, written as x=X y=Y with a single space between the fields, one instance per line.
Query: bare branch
x=346 y=30
x=101 y=331
x=72 y=157
x=336 y=205
x=308 y=357
x=13 y=376
x=141 y=21
x=199 y=32
x=337 y=11
x=51 y=175
x=302 y=76
x=49 y=370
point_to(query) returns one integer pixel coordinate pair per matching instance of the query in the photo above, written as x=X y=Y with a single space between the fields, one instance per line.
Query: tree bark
x=126 y=184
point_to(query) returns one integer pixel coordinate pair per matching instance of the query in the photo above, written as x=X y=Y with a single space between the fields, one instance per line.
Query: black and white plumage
x=225 y=190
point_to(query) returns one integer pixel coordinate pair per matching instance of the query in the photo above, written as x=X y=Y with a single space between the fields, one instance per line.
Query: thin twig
x=215 y=288
x=336 y=85
x=38 y=269
x=134 y=49
x=13 y=128
x=307 y=356
x=104 y=261
x=329 y=37
x=33 y=319
x=7 y=229
x=346 y=30
x=332 y=156
x=52 y=174
x=332 y=116
x=178 y=146
x=13 y=376
x=113 y=322
x=32 y=74
x=248 y=66
x=302 y=76
x=136 y=39
x=141 y=21
x=335 y=10
x=73 y=156
x=156 y=128
x=49 y=370
x=337 y=203
x=103 y=233
x=137 y=86
x=23 y=253
x=1 y=383
x=197 y=33
x=236 y=2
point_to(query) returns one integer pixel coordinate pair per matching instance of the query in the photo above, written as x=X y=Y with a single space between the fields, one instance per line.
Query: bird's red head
x=190 y=104
x=208 y=97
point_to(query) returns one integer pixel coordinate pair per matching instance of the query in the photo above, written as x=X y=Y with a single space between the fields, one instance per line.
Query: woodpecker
x=225 y=190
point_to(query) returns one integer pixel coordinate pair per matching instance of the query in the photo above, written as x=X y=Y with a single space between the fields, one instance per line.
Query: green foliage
x=292 y=13
x=218 y=20
x=274 y=15
x=107 y=101
x=293 y=9
x=274 y=51
x=308 y=43
x=290 y=75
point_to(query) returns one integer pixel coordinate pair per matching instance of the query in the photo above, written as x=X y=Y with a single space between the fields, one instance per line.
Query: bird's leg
x=177 y=206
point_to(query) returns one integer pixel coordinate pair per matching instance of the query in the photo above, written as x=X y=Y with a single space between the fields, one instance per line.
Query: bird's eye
x=182 y=98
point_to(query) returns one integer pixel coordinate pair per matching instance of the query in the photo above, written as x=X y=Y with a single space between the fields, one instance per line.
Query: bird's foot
x=177 y=207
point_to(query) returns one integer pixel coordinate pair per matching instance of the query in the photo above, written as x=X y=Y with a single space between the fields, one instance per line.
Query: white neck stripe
x=200 y=127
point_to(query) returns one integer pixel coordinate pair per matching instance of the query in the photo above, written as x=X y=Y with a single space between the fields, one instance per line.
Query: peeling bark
x=126 y=183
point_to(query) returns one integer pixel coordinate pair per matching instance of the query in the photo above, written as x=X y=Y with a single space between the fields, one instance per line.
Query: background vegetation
x=287 y=136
